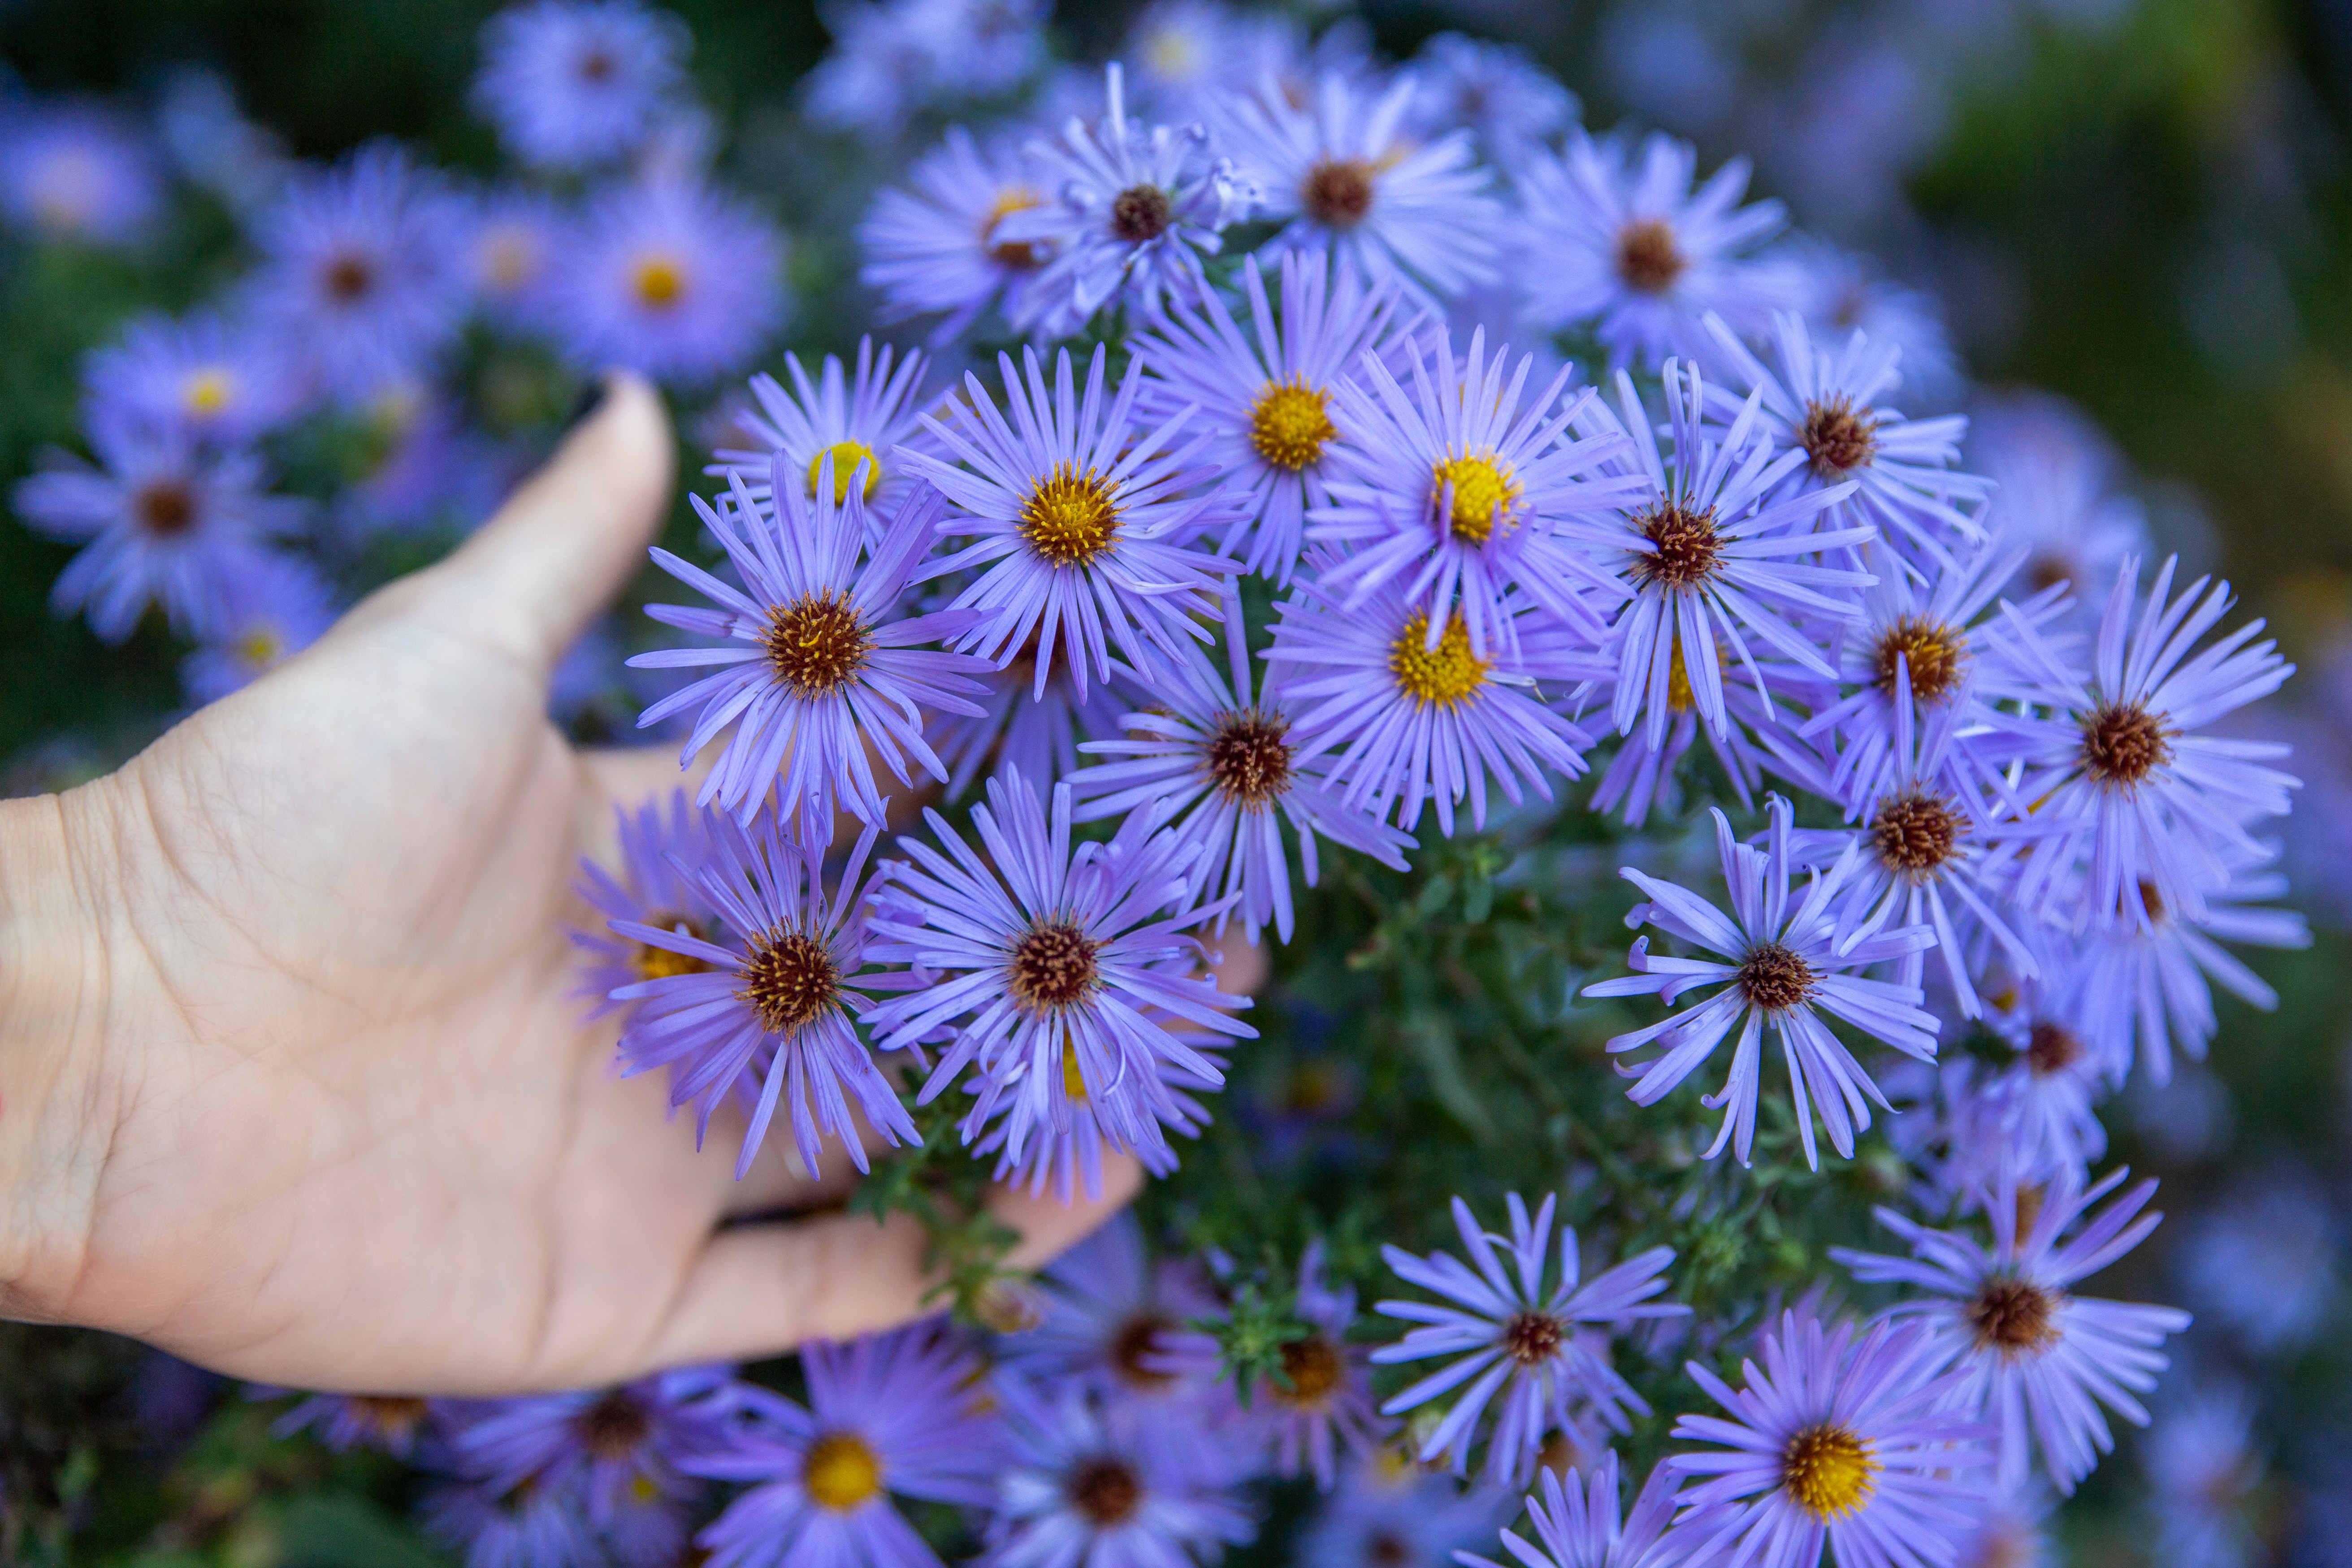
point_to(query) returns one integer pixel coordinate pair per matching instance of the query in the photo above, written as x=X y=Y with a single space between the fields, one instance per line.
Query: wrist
x=54 y=1129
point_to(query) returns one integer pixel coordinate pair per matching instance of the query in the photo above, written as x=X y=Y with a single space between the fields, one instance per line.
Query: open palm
x=340 y=1124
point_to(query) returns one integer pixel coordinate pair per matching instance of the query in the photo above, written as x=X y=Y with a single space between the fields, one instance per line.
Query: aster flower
x=814 y=674
x=162 y=521
x=2120 y=777
x=1828 y=403
x=1267 y=407
x=1186 y=53
x=895 y=1415
x=1839 y=291
x=2057 y=492
x=1514 y=1330
x=1454 y=489
x=514 y=238
x=1579 y=1523
x=270 y=612
x=1108 y=1486
x=424 y=466
x=76 y=171
x=1838 y=1443
x=1389 y=1512
x=2034 y=1360
x=934 y=247
x=2263 y=1260
x=1413 y=723
x=359 y=281
x=1710 y=558
x=1040 y=735
x=1341 y=173
x=1781 y=965
x=200 y=376
x=653 y=885
x=2033 y=1116
x=1321 y=1407
x=2202 y=1468
x=610 y=1446
x=1219 y=754
x=573 y=83
x=529 y=1526
x=878 y=72
x=1068 y=1161
x=857 y=421
x=399 y=1425
x=774 y=1012
x=1632 y=252
x=1116 y=1323
x=673 y=277
x=1053 y=968
x=1497 y=92
x=1079 y=512
x=1136 y=209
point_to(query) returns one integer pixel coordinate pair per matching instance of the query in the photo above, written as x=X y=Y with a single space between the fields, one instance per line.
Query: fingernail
x=591 y=397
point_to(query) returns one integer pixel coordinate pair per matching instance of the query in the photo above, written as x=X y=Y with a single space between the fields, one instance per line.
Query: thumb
x=565 y=541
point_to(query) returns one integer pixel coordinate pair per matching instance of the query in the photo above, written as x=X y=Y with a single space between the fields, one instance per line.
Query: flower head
x=860 y=422
x=1580 y=1523
x=76 y=171
x=514 y=246
x=654 y=885
x=271 y=611
x=1510 y=104
x=673 y=277
x=1118 y=1323
x=933 y=246
x=1778 y=964
x=1321 y=1407
x=2057 y=493
x=1039 y=735
x=201 y=376
x=612 y=1446
x=574 y=83
x=489 y=1526
x=396 y=1424
x=1513 y=1332
x=1389 y=1512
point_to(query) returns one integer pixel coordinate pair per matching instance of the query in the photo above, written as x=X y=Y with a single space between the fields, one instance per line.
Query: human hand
x=292 y=1083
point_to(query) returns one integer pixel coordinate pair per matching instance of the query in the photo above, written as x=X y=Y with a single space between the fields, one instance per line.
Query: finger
x=761 y=1290
x=564 y=543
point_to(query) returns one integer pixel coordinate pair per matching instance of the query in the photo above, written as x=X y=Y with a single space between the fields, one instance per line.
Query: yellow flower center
x=1290 y=422
x=260 y=647
x=659 y=963
x=208 y=391
x=659 y=280
x=1070 y=518
x=841 y=1470
x=1484 y=493
x=1829 y=1470
x=1439 y=677
x=510 y=259
x=1020 y=253
x=847 y=456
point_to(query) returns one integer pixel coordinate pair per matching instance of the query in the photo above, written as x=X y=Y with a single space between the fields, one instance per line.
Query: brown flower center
x=2122 y=744
x=165 y=508
x=1020 y=254
x=789 y=980
x=1140 y=213
x=389 y=1415
x=1648 y=259
x=1935 y=651
x=2014 y=1316
x=614 y=1428
x=817 y=644
x=1774 y=978
x=1070 y=518
x=1387 y=1548
x=1916 y=832
x=349 y=278
x=1685 y=549
x=596 y=66
x=1338 y=192
x=1313 y=1366
x=1052 y=967
x=1836 y=438
x=1137 y=1338
x=2052 y=1048
x=1249 y=756
x=1106 y=1492
x=1530 y=1338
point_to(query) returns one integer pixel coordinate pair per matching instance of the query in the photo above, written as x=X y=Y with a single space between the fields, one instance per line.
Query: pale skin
x=293 y=1081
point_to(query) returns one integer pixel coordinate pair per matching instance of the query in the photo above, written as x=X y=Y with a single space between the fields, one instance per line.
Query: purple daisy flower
x=1839 y=291
x=1118 y=1324
x=816 y=677
x=1708 y=553
x=403 y=1425
x=673 y=277
x=2202 y=1466
x=1414 y=722
x=857 y=421
x=895 y=1415
x=1322 y=1406
x=164 y=523
x=1267 y=407
x=934 y=248
x=2057 y=492
x=2120 y=778
x=660 y=843
x=2033 y=1116
x=1781 y=964
x=611 y=1446
x=1456 y=489
x=1511 y=104
x=1187 y=53
x=1578 y=1521
x=2035 y=1359
x=1068 y=1161
x=1039 y=736
x=1338 y=169
x=271 y=611
x=490 y=1526
x=358 y=280
x=1852 y=1445
x=1389 y=1512
x=77 y=170
x=201 y=375
x=772 y=1013
x=1514 y=1330
x=514 y=239
x=1109 y=1486
x=1136 y=210
x=1053 y=969
x=1219 y=754
x=1633 y=252
x=1080 y=511
x=1827 y=403
x=574 y=83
